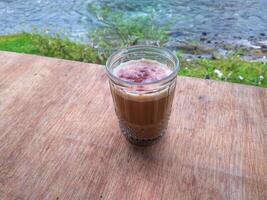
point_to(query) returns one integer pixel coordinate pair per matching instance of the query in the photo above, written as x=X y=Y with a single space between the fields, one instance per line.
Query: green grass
x=21 y=43
x=232 y=69
x=49 y=46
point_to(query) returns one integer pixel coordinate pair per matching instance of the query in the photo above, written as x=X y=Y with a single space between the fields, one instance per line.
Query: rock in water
x=263 y=45
x=216 y=56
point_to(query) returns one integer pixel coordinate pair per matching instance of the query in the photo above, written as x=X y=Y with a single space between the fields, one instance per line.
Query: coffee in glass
x=142 y=83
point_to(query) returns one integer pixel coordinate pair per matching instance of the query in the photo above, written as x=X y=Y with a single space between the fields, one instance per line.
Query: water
x=226 y=18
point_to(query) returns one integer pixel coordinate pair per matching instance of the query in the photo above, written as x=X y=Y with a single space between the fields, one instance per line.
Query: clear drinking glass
x=143 y=109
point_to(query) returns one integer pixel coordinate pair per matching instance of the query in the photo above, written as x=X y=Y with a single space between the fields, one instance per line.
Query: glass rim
x=164 y=80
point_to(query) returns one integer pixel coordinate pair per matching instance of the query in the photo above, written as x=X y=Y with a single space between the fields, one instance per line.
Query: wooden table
x=59 y=138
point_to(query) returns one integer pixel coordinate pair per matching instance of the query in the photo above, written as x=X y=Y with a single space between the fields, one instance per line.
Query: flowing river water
x=224 y=18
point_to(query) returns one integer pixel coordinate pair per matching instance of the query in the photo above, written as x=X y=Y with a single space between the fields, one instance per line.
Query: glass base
x=135 y=141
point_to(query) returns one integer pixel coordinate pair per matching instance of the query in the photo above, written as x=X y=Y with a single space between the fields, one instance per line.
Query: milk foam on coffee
x=141 y=71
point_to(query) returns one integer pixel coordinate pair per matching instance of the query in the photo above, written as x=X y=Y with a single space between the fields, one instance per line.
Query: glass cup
x=143 y=109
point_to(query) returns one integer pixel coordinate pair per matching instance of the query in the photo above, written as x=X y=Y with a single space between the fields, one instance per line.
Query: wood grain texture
x=59 y=138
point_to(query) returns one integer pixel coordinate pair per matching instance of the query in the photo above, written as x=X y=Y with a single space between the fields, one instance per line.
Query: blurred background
x=223 y=40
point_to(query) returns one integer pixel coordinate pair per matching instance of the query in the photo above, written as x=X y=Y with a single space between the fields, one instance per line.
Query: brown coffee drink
x=143 y=115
